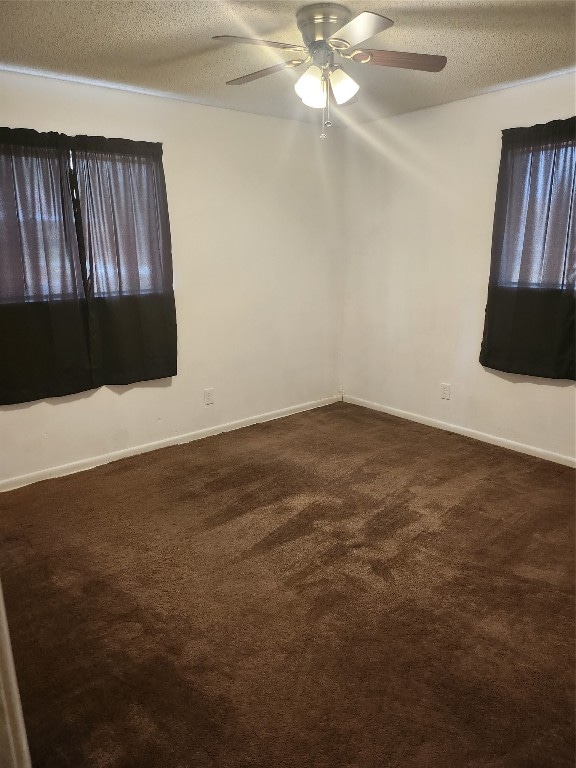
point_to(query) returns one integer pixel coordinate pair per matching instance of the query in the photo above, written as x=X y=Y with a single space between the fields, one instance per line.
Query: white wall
x=421 y=204
x=263 y=216
x=256 y=273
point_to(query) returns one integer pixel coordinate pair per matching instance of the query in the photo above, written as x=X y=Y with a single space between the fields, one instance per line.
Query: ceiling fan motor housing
x=318 y=22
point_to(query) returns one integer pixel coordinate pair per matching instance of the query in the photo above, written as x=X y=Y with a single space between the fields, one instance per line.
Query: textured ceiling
x=167 y=46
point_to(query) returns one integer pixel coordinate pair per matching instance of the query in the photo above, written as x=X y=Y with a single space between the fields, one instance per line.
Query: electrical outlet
x=209 y=396
x=445 y=391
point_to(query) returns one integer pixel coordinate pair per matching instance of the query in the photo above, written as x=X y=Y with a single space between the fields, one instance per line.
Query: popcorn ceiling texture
x=168 y=47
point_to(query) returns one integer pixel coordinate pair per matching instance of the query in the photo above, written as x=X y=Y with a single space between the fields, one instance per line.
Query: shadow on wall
x=118 y=389
x=520 y=378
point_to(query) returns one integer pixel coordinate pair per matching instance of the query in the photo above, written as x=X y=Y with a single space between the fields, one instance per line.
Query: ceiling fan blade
x=264 y=72
x=361 y=28
x=422 y=61
x=255 y=41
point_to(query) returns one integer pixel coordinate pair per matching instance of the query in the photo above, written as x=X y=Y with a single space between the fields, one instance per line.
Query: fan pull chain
x=323 y=134
x=326 y=122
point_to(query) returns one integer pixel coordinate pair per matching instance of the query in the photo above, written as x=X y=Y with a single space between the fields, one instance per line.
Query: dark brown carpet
x=337 y=589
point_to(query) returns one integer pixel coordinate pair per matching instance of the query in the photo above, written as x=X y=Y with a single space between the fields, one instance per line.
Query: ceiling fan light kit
x=343 y=86
x=311 y=88
x=328 y=33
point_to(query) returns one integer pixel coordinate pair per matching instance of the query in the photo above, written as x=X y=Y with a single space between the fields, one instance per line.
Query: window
x=529 y=326
x=86 y=292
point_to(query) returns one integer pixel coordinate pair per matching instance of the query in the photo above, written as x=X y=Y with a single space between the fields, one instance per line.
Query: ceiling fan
x=330 y=34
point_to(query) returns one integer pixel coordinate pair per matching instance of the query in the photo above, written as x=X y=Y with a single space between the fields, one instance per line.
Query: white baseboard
x=105 y=458
x=531 y=450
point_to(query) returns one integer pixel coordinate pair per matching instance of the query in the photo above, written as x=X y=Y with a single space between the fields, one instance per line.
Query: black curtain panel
x=126 y=242
x=529 y=326
x=85 y=265
x=43 y=340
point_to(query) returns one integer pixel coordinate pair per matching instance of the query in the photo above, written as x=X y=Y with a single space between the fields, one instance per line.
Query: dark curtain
x=85 y=265
x=529 y=326
x=126 y=241
x=43 y=340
